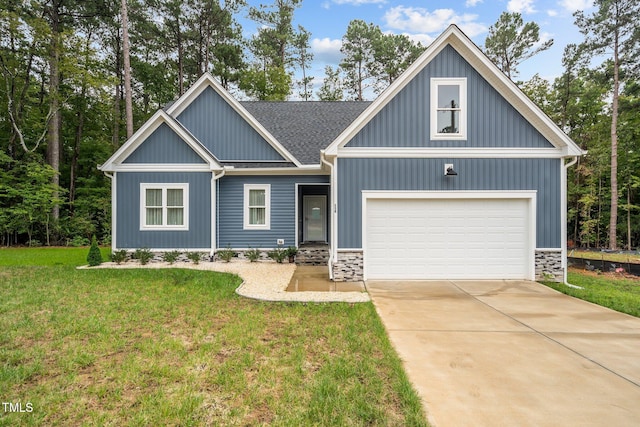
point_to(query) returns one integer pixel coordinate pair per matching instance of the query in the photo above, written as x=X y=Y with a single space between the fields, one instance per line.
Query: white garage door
x=447 y=239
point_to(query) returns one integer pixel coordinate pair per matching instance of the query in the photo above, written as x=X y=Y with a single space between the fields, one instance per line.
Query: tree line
x=78 y=77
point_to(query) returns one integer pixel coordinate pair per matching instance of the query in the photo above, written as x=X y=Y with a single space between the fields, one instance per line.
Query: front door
x=315 y=218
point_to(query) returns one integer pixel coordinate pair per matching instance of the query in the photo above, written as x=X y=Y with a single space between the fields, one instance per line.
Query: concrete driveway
x=512 y=353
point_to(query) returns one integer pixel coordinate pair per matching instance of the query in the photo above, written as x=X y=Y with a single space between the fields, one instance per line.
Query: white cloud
x=521 y=6
x=472 y=3
x=552 y=12
x=573 y=5
x=327 y=50
x=359 y=2
x=421 y=21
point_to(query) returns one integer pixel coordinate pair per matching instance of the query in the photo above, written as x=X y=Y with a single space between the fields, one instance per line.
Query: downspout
x=113 y=209
x=332 y=189
x=563 y=219
x=214 y=211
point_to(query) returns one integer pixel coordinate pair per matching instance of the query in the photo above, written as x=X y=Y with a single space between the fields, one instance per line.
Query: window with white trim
x=257 y=206
x=164 y=206
x=449 y=108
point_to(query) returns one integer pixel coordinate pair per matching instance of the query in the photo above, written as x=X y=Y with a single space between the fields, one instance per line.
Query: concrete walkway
x=507 y=353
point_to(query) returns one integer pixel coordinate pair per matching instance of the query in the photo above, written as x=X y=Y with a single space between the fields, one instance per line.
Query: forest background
x=74 y=86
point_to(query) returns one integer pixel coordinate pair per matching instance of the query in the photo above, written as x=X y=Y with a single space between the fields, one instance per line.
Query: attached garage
x=471 y=235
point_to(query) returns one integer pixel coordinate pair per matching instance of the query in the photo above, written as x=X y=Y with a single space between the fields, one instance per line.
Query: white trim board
x=207 y=80
x=454 y=37
x=116 y=161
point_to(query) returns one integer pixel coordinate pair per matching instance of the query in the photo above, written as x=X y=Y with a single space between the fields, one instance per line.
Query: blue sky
x=423 y=21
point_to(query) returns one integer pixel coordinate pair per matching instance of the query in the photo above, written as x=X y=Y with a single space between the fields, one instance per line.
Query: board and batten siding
x=283 y=212
x=128 y=234
x=164 y=146
x=223 y=131
x=541 y=175
x=491 y=120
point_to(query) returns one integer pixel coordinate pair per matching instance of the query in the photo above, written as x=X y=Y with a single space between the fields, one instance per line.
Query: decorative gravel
x=263 y=280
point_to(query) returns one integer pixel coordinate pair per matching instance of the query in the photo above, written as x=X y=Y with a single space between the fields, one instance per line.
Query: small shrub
x=226 y=254
x=119 y=256
x=95 y=257
x=278 y=254
x=292 y=251
x=143 y=255
x=195 y=257
x=170 y=257
x=253 y=255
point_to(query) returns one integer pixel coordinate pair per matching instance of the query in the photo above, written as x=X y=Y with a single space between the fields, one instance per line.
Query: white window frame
x=461 y=82
x=164 y=187
x=267 y=201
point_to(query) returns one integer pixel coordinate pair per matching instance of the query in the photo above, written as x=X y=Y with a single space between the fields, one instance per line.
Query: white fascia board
x=391 y=91
x=276 y=171
x=513 y=94
x=115 y=162
x=456 y=153
x=207 y=80
x=164 y=167
x=487 y=69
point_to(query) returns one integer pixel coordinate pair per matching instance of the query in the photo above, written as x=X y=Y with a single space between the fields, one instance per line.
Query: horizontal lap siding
x=491 y=120
x=128 y=234
x=356 y=175
x=283 y=215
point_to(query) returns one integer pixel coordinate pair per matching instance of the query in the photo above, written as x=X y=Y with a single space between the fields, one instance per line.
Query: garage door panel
x=447 y=238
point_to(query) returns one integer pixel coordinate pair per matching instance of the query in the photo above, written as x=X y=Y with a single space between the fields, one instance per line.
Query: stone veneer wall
x=549 y=265
x=348 y=267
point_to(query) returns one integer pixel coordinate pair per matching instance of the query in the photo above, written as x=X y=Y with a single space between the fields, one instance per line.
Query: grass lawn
x=618 y=293
x=179 y=347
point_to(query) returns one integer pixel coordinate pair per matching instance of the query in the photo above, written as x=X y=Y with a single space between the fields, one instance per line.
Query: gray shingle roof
x=305 y=128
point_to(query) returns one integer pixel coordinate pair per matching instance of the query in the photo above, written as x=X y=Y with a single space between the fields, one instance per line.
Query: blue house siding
x=542 y=175
x=128 y=234
x=164 y=146
x=283 y=213
x=223 y=131
x=491 y=120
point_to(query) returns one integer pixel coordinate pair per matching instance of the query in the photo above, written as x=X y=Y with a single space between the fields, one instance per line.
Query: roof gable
x=225 y=127
x=164 y=145
x=161 y=132
x=453 y=38
x=491 y=120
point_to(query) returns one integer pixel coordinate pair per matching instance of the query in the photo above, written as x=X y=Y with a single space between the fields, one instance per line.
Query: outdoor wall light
x=448 y=170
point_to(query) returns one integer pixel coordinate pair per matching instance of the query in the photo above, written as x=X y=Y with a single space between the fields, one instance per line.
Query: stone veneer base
x=349 y=266
x=549 y=265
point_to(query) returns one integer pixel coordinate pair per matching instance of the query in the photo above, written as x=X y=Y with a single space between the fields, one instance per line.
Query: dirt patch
x=613 y=275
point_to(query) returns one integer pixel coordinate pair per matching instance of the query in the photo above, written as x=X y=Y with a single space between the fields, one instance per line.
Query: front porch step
x=312 y=255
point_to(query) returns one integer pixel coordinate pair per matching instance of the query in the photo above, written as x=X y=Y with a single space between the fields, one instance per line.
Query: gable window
x=164 y=206
x=449 y=108
x=257 y=206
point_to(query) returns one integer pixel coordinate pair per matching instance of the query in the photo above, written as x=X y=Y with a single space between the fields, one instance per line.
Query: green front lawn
x=179 y=347
x=618 y=293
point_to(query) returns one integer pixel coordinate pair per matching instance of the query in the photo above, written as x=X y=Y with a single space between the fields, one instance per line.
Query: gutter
x=564 y=222
x=332 y=189
x=215 y=198
x=113 y=207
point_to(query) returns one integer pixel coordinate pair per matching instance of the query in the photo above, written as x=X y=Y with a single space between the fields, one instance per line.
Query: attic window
x=449 y=108
x=164 y=207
